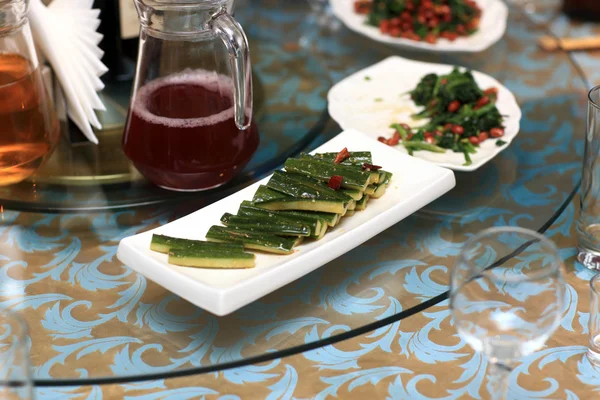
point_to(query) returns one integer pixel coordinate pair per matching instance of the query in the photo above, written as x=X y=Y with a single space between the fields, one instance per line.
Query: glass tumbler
x=506 y=296
x=593 y=352
x=28 y=125
x=15 y=372
x=588 y=223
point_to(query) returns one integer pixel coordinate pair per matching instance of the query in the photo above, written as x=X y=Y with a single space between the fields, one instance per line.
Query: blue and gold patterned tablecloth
x=420 y=357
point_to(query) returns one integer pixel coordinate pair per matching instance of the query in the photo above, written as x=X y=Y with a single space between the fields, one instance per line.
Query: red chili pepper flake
x=454 y=106
x=394 y=140
x=382 y=139
x=342 y=155
x=371 y=167
x=497 y=132
x=335 y=182
x=491 y=91
x=457 y=129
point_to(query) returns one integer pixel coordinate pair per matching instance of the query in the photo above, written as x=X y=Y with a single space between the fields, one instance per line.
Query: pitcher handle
x=232 y=34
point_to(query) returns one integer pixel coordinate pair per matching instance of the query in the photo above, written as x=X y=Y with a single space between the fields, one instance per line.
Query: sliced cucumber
x=362 y=203
x=329 y=219
x=354 y=193
x=163 y=244
x=354 y=167
x=273 y=200
x=381 y=187
x=353 y=178
x=356 y=158
x=369 y=190
x=211 y=259
x=252 y=240
x=286 y=178
x=379 y=191
x=322 y=233
x=314 y=222
x=295 y=186
x=350 y=213
x=274 y=226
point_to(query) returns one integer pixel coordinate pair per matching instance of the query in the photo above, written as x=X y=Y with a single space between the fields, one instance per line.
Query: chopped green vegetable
x=403 y=132
x=414 y=146
x=500 y=142
x=460 y=115
x=423 y=93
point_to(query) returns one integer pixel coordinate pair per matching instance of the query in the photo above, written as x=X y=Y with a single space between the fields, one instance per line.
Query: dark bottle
x=119 y=25
x=588 y=10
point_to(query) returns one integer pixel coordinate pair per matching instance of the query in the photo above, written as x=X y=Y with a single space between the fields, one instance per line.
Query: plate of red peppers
x=431 y=25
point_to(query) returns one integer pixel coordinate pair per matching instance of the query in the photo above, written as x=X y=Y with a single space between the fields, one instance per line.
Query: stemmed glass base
x=497 y=380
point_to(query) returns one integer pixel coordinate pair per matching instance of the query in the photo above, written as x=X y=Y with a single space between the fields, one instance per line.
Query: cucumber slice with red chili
x=272 y=200
x=355 y=167
x=323 y=171
x=356 y=158
x=296 y=186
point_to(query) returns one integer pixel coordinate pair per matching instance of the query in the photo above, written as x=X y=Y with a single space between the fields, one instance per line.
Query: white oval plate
x=372 y=99
x=491 y=29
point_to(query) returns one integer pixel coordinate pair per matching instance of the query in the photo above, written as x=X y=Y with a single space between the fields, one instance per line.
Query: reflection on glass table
x=593 y=352
x=15 y=369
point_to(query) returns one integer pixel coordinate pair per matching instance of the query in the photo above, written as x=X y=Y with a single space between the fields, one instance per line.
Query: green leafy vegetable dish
x=460 y=116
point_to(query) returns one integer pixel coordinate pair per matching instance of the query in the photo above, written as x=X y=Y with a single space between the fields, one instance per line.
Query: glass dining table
x=95 y=323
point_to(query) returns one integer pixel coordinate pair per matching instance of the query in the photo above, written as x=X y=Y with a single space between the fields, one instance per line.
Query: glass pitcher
x=189 y=125
x=29 y=128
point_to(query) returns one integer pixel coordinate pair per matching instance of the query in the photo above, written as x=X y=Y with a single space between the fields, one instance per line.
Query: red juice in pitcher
x=181 y=135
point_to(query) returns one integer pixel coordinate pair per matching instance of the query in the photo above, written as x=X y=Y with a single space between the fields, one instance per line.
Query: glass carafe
x=28 y=124
x=189 y=125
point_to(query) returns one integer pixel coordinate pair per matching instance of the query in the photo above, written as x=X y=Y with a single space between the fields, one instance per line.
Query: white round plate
x=491 y=29
x=372 y=99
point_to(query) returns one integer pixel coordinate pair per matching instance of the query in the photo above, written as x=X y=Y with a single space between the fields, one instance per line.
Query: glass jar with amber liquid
x=28 y=124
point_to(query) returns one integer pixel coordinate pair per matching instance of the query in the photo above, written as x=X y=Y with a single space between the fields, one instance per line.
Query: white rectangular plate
x=415 y=183
x=371 y=105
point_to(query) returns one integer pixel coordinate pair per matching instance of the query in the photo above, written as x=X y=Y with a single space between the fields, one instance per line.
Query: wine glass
x=506 y=297
x=15 y=372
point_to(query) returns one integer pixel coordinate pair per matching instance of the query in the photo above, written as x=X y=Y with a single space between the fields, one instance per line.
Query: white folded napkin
x=65 y=32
